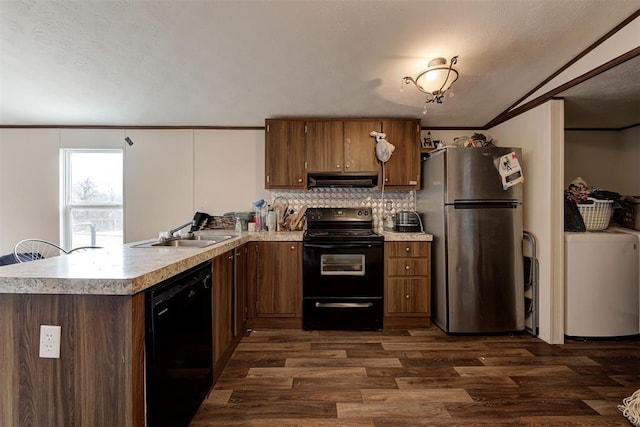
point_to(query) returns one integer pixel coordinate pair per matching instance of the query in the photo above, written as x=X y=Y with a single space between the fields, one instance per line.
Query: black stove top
x=340 y=224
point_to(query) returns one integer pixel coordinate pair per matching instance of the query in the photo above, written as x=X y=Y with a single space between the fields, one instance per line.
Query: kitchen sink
x=196 y=241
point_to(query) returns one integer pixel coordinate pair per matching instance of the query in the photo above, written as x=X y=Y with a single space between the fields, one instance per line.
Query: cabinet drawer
x=407 y=267
x=407 y=249
x=407 y=295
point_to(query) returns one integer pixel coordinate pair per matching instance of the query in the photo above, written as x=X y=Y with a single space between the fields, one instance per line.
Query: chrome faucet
x=169 y=234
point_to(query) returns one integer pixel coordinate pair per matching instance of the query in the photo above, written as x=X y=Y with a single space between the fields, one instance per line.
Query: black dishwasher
x=179 y=346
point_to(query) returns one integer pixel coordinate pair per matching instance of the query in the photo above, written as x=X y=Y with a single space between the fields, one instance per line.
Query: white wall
x=158 y=182
x=539 y=133
x=169 y=175
x=229 y=170
x=29 y=186
x=605 y=159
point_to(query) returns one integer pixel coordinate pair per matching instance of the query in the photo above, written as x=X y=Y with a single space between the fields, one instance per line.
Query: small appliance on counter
x=407 y=222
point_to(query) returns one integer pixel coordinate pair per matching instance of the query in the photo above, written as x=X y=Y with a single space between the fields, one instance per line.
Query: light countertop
x=127 y=270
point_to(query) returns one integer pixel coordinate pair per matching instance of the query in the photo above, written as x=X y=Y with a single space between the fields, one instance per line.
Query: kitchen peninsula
x=97 y=298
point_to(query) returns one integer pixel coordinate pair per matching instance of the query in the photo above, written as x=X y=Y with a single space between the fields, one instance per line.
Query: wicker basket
x=596 y=216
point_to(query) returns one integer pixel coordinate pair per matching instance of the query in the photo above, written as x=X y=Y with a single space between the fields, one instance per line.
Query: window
x=92 y=198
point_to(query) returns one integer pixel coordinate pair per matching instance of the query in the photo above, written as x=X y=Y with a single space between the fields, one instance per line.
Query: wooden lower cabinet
x=407 y=284
x=240 y=291
x=275 y=284
x=222 y=308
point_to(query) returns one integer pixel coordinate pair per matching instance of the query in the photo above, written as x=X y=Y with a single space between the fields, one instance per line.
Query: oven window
x=342 y=265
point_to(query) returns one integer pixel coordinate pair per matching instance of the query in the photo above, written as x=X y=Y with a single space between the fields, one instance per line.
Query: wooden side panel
x=9 y=369
x=222 y=304
x=138 y=410
x=324 y=142
x=252 y=280
x=91 y=382
x=241 y=290
x=360 y=146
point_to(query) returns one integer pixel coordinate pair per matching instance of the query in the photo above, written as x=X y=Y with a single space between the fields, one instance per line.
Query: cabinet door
x=222 y=304
x=279 y=281
x=285 y=154
x=408 y=295
x=360 y=146
x=402 y=170
x=240 y=288
x=324 y=142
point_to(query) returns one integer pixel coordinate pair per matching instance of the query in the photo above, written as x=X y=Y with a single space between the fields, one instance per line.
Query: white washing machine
x=619 y=228
x=602 y=297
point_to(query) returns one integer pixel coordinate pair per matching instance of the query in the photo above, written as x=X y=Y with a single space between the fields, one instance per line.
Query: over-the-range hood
x=346 y=179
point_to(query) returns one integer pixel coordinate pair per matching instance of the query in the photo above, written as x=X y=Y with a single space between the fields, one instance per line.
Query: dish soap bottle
x=238 y=225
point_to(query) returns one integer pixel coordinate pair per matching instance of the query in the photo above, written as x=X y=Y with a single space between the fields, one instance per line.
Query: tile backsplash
x=350 y=198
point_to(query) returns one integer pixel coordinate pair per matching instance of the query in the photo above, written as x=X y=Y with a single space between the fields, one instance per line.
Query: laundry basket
x=596 y=216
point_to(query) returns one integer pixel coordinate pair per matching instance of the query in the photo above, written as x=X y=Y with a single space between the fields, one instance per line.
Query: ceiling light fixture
x=436 y=80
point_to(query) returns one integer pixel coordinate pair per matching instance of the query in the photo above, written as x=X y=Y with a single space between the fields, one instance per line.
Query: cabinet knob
x=386 y=180
x=337 y=166
x=293 y=248
x=346 y=166
x=407 y=296
x=407 y=249
x=407 y=267
x=299 y=179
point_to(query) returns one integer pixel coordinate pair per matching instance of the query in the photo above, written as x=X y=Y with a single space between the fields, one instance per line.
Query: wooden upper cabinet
x=402 y=170
x=324 y=146
x=285 y=154
x=360 y=146
x=295 y=147
x=342 y=145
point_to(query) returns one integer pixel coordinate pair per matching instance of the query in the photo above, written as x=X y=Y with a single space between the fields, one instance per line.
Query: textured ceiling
x=235 y=63
x=609 y=100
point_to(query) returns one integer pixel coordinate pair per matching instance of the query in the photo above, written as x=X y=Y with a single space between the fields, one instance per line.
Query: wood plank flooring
x=421 y=378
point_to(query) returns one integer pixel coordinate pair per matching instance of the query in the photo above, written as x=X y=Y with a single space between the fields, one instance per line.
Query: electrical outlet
x=50 y=341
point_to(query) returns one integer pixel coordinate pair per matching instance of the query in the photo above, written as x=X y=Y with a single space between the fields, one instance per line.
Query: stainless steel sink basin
x=196 y=241
x=187 y=243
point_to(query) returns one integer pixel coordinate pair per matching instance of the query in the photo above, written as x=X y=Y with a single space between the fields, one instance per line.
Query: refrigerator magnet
x=510 y=170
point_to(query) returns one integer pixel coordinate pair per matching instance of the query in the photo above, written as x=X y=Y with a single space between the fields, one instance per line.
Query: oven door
x=336 y=270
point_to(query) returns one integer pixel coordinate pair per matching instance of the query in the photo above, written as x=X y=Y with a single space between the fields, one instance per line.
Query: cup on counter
x=251 y=226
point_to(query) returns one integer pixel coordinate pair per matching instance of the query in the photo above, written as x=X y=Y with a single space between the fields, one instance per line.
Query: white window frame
x=66 y=193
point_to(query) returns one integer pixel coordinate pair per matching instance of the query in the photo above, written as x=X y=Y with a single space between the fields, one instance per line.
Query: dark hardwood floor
x=421 y=377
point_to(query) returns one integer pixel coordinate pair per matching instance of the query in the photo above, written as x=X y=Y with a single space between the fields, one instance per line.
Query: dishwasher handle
x=172 y=291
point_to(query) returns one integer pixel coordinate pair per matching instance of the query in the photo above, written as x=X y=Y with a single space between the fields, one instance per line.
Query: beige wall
x=29 y=186
x=605 y=159
x=535 y=132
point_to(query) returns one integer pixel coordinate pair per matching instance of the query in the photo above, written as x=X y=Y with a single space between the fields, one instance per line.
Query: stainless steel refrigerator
x=477 y=278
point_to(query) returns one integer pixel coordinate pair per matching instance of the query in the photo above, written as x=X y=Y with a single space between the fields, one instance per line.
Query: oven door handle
x=344 y=304
x=341 y=245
